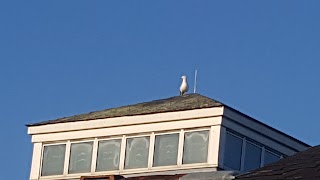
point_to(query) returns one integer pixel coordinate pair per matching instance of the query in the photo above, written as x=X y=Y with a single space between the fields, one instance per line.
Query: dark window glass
x=252 y=157
x=233 y=150
x=270 y=157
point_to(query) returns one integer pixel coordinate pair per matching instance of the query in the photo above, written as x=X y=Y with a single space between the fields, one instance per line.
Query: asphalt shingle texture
x=176 y=103
x=303 y=165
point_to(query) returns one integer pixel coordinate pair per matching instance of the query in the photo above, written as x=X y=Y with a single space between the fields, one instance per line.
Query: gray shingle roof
x=176 y=103
x=303 y=165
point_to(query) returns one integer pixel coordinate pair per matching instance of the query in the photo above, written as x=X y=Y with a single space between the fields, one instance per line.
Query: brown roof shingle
x=176 y=103
x=303 y=165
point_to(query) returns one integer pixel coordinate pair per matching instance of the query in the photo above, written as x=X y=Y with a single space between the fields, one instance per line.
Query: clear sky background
x=60 y=58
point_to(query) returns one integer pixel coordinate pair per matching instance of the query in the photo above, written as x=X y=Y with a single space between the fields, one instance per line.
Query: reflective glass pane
x=195 y=149
x=270 y=157
x=232 y=154
x=137 y=152
x=53 y=160
x=252 y=157
x=80 y=157
x=108 y=155
x=166 y=150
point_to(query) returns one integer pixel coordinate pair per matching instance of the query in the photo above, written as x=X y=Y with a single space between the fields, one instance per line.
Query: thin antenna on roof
x=195 y=81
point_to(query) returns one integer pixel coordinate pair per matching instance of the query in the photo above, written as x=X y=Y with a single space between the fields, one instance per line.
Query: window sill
x=164 y=169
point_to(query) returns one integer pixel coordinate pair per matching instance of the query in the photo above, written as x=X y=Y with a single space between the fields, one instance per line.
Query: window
x=53 y=160
x=137 y=152
x=108 y=155
x=233 y=151
x=270 y=157
x=195 y=147
x=252 y=157
x=80 y=157
x=247 y=157
x=100 y=155
x=166 y=150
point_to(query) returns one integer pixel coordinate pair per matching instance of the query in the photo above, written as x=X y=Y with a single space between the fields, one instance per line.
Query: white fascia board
x=125 y=121
x=130 y=129
x=265 y=130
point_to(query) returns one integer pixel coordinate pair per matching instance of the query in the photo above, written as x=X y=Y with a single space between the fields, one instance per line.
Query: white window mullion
x=151 y=150
x=243 y=153
x=66 y=158
x=122 y=153
x=211 y=152
x=180 y=149
x=94 y=155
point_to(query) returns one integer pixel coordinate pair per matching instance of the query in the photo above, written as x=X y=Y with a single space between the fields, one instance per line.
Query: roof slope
x=303 y=165
x=176 y=103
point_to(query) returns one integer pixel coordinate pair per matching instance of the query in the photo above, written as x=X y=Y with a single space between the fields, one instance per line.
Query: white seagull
x=184 y=85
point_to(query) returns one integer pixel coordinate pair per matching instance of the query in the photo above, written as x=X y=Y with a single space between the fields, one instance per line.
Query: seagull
x=184 y=85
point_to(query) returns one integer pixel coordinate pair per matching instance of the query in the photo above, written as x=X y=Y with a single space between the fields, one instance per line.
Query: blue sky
x=60 y=58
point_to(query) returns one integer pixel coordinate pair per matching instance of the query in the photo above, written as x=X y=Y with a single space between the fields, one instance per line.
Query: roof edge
x=53 y=121
x=266 y=125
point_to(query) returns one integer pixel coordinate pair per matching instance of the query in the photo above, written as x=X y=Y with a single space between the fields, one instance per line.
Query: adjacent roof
x=212 y=175
x=303 y=165
x=176 y=103
x=187 y=175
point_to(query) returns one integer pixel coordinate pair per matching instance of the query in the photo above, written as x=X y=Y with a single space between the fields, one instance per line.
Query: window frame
x=208 y=149
x=42 y=153
x=154 y=144
x=245 y=154
x=245 y=140
x=94 y=145
x=95 y=153
x=125 y=154
x=123 y=139
x=242 y=151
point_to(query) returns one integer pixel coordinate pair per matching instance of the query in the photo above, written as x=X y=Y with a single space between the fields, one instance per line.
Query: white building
x=178 y=135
